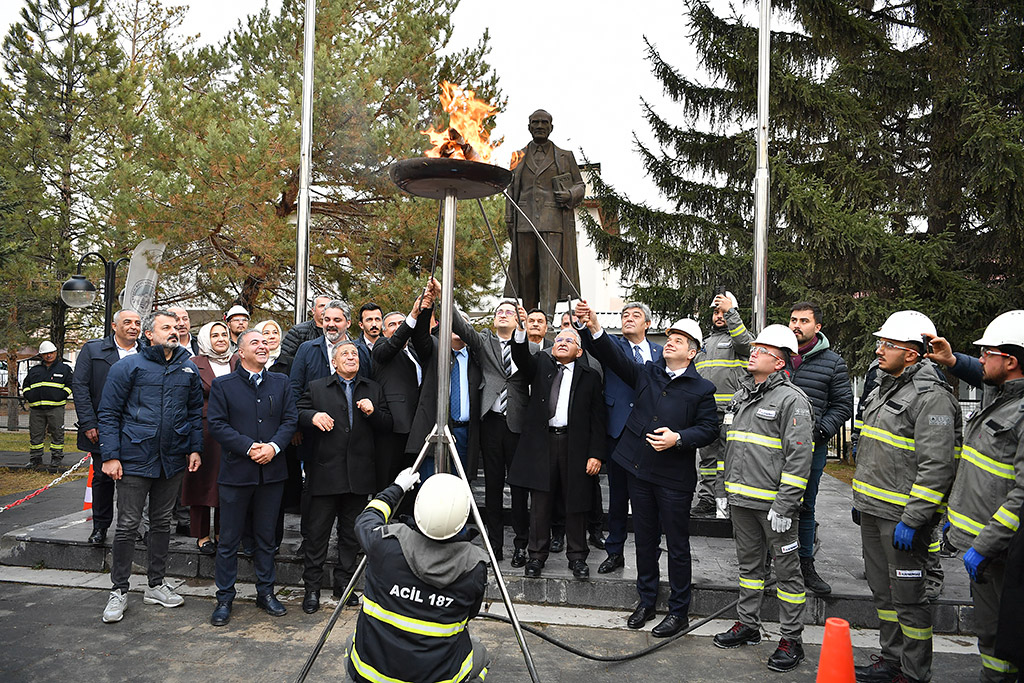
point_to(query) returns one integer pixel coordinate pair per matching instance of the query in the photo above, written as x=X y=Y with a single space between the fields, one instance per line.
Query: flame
x=465 y=137
x=517 y=156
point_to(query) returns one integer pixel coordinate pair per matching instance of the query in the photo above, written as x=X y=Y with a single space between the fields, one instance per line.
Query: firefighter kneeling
x=422 y=587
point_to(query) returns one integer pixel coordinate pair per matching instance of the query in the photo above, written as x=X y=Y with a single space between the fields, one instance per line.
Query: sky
x=583 y=61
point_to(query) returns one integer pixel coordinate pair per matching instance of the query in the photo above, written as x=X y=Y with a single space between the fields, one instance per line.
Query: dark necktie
x=348 y=399
x=506 y=362
x=255 y=379
x=556 y=387
x=636 y=355
x=455 y=393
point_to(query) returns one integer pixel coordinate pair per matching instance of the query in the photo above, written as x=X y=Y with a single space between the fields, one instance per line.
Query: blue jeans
x=132 y=492
x=656 y=509
x=806 y=533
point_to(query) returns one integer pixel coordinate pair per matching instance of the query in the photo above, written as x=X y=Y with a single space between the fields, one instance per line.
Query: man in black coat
x=303 y=332
x=343 y=416
x=91 y=368
x=561 y=448
x=252 y=415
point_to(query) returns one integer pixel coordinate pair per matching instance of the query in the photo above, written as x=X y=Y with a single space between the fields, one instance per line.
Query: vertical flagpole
x=761 y=179
x=444 y=349
x=302 y=227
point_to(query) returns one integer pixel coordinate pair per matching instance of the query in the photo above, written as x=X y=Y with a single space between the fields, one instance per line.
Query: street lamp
x=78 y=292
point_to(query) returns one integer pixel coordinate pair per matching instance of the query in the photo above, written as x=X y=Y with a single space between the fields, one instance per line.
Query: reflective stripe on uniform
x=723 y=398
x=46 y=404
x=754 y=438
x=858 y=424
x=964 y=523
x=411 y=625
x=792 y=598
x=925 y=493
x=980 y=460
x=56 y=446
x=371 y=674
x=752 y=584
x=934 y=546
x=1006 y=518
x=721 y=363
x=884 y=495
x=996 y=664
x=750 y=491
x=708 y=471
x=720 y=466
x=887 y=615
x=793 y=480
x=54 y=385
x=867 y=431
x=738 y=331
x=380 y=506
x=916 y=633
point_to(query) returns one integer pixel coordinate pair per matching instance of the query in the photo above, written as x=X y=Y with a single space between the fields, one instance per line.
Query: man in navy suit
x=252 y=414
x=619 y=397
x=91 y=368
x=673 y=415
x=313 y=359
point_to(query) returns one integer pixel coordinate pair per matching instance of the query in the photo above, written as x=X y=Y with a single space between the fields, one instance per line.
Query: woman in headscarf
x=272 y=333
x=199 y=488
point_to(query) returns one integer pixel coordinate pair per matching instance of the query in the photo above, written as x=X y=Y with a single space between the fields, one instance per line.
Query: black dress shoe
x=311 y=603
x=558 y=544
x=207 y=547
x=98 y=536
x=353 y=598
x=640 y=616
x=271 y=605
x=533 y=568
x=669 y=626
x=596 y=539
x=580 y=570
x=519 y=558
x=611 y=563
x=221 y=615
x=787 y=655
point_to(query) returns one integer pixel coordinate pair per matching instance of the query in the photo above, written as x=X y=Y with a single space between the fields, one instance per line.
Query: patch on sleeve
x=940 y=419
x=908 y=573
x=767 y=413
x=802 y=412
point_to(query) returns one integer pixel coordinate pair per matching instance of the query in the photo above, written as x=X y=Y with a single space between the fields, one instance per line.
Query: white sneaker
x=162 y=595
x=116 y=606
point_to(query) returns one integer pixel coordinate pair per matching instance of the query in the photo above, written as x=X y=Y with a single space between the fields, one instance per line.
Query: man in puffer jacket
x=905 y=468
x=822 y=375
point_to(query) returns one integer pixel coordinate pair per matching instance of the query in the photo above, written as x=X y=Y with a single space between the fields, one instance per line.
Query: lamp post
x=79 y=292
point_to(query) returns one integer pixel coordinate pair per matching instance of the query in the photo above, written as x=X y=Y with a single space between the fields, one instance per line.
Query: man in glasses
x=985 y=503
x=905 y=467
x=768 y=434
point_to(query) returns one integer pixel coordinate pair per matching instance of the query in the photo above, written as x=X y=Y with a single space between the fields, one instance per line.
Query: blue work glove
x=975 y=564
x=855 y=514
x=903 y=537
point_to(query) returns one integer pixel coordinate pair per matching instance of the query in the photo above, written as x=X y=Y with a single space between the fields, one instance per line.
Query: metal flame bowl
x=435 y=178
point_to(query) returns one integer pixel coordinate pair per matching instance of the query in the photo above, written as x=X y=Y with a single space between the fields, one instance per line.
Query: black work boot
x=739 y=634
x=812 y=581
x=787 y=655
x=704 y=508
x=35 y=460
x=880 y=670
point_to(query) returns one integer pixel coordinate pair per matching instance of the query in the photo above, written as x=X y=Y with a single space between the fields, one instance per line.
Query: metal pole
x=305 y=150
x=444 y=335
x=760 y=297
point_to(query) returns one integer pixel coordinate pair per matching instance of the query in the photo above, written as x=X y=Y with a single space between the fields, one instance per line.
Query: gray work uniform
x=769 y=432
x=905 y=467
x=985 y=507
x=723 y=362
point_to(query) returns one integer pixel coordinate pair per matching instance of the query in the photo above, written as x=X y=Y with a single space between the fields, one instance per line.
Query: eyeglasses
x=504 y=313
x=883 y=344
x=986 y=353
x=567 y=340
x=757 y=350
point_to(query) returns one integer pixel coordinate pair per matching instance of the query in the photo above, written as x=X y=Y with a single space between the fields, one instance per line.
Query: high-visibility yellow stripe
x=964 y=523
x=483 y=674
x=738 y=331
x=47 y=404
x=916 y=633
x=56 y=446
x=754 y=438
x=721 y=363
x=858 y=424
x=750 y=491
x=934 y=547
x=371 y=674
x=380 y=506
x=957 y=452
x=1007 y=518
x=884 y=436
x=752 y=584
x=793 y=480
x=708 y=471
x=792 y=598
x=720 y=466
x=996 y=664
x=411 y=625
x=887 y=615
x=52 y=385
x=925 y=493
x=884 y=495
x=1002 y=470
x=723 y=398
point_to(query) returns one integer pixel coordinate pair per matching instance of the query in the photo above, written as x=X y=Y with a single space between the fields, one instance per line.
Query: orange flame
x=517 y=156
x=465 y=137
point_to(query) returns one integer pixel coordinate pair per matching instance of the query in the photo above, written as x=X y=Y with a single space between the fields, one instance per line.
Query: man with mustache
x=371 y=322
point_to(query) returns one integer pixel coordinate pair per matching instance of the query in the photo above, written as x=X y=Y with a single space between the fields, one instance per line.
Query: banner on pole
x=140 y=289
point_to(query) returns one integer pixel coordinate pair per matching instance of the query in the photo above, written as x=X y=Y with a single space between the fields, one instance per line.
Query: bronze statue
x=547 y=186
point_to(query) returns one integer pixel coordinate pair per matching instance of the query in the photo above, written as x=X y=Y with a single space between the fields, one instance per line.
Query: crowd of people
x=220 y=432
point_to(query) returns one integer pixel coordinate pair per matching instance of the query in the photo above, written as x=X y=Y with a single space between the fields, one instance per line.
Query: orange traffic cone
x=87 y=505
x=836 y=662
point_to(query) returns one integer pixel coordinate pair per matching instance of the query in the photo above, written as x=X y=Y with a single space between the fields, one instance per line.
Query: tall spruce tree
x=897 y=167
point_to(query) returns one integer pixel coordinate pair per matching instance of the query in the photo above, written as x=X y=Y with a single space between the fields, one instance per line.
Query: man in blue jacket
x=150 y=430
x=252 y=415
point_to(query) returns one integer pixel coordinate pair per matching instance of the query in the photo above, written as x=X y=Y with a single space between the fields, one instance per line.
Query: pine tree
x=896 y=167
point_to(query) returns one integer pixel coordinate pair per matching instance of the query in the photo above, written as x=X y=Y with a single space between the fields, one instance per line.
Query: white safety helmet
x=1007 y=328
x=731 y=297
x=47 y=347
x=442 y=506
x=907 y=326
x=779 y=336
x=235 y=310
x=689 y=327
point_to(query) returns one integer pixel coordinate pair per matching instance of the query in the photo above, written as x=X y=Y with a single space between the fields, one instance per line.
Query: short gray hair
x=147 y=324
x=117 y=316
x=343 y=342
x=341 y=305
x=638 y=304
x=241 y=337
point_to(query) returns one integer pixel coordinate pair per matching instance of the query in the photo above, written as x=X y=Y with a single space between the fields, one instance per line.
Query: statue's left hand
x=563 y=198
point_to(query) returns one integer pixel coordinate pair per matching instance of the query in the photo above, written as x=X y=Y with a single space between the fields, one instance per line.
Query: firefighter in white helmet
x=985 y=503
x=905 y=467
x=769 y=433
x=424 y=582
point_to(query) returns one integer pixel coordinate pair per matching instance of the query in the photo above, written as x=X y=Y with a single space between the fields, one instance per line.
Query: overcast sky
x=581 y=60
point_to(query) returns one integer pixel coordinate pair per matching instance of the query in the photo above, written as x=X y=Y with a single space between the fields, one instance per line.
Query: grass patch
x=26 y=481
x=18 y=442
x=841 y=471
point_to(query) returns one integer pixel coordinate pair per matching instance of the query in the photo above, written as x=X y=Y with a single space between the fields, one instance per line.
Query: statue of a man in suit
x=547 y=186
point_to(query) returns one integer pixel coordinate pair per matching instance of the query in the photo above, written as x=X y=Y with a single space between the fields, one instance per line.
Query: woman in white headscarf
x=199 y=488
x=272 y=333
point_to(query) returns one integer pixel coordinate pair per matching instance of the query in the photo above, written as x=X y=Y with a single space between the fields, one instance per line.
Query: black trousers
x=498 y=445
x=545 y=503
x=102 y=495
x=320 y=516
x=236 y=502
